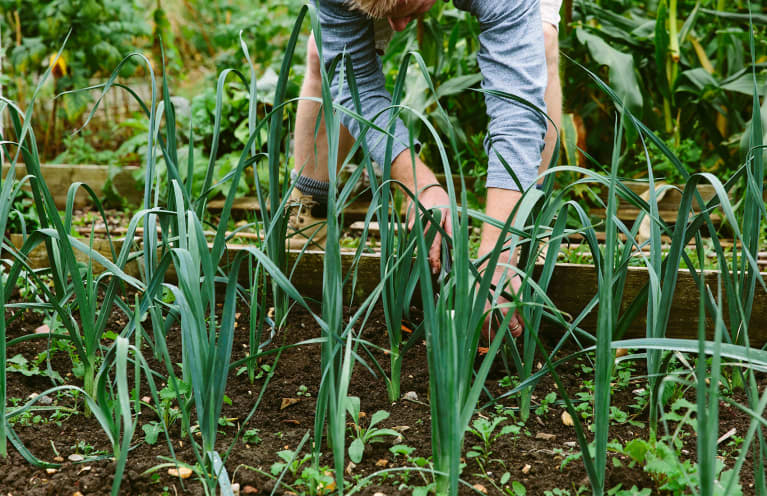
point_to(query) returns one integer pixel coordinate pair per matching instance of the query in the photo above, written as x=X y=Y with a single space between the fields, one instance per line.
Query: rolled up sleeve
x=348 y=32
x=512 y=60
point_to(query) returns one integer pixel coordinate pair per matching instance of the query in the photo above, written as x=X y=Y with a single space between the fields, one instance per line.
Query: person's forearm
x=413 y=178
x=500 y=205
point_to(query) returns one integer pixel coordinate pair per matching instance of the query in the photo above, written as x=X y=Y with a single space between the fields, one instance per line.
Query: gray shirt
x=511 y=59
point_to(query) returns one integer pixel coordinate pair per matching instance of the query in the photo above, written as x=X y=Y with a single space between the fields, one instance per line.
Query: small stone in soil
x=286 y=402
x=249 y=490
x=43 y=329
x=74 y=457
x=382 y=462
x=526 y=469
x=50 y=471
x=411 y=396
x=567 y=419
x=182 y=472
x=545 y=436
x=479 y=487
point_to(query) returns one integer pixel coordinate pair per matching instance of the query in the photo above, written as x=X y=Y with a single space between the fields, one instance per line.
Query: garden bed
x=532 y=453
x=570 y=290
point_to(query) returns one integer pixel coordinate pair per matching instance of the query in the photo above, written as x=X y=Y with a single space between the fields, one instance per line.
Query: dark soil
x=534 y=458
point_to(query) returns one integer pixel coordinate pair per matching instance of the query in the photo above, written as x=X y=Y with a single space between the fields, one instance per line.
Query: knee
x=551 y=42
x=312 y=58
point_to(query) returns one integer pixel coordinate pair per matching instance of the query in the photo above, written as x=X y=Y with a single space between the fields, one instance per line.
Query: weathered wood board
x=60 y=177
x=571 y=289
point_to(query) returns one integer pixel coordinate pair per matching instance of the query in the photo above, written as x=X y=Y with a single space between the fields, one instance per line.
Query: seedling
x=251 y=437
x=365 y=436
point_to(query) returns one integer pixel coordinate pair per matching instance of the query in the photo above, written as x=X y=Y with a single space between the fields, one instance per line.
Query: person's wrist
x=423 y=189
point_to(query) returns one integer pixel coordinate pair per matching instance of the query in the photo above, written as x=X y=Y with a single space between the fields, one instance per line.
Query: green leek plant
x=273 y=201
x=207 y=346
x=336 y=359
x=9 y=188
x=400 y=282
x=453 y=318
x=8 y=191
x=338 y=354
x=397 y=270
x=73 y=288
x=454 y=312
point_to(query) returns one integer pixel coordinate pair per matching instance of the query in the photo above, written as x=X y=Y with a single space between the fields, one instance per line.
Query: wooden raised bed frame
x=571 y=289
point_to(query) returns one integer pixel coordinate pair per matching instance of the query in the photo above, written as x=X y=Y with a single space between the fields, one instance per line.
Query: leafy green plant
x=484 y=429
x=100 y=33
x=366 y=435
x=291 y=462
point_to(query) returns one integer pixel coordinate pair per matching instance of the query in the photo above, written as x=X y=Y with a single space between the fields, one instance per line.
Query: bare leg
x=311 y=149
x=553 y=95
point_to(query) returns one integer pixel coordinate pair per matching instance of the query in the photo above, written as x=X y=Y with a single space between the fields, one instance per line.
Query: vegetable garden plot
x=532 y=453
x=184 y=324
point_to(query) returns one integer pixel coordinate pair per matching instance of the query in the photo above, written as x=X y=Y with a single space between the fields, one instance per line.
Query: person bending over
x=512 y=59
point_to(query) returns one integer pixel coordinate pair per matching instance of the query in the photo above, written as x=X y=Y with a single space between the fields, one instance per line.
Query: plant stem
x=3 y=434
x=393 y=381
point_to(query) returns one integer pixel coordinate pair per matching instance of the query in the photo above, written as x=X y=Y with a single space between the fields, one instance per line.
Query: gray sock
x=318 y=190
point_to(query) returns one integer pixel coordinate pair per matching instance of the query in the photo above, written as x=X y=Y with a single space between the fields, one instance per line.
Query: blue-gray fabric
x=511 y=59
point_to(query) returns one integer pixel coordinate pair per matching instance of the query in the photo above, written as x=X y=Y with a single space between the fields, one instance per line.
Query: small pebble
x=43 y=329
x=567 y=419
x=479 y=487
x=545 y=436
x=571 y=444
x=74 y=457
x=249 y=490
x=411 y=396
x=50 y=471
x=182 y=472
x=526 y=469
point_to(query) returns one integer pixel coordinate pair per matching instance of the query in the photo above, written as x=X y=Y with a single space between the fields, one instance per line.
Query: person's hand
x=433 y=198
x=490 y=326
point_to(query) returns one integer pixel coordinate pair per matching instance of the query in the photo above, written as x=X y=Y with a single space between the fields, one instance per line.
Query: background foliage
x=682 y=66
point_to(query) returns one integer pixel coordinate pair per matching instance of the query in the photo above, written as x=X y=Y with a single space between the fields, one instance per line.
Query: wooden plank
x=574 y=285
x=571 y=289
x=671 y=200
x=631 y=214
x=59 y=177
x=38 y=258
